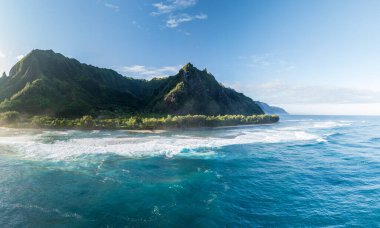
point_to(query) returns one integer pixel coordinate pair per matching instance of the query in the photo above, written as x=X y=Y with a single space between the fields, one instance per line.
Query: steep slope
x=192 y=91
x=268 y=109
x=45 y=82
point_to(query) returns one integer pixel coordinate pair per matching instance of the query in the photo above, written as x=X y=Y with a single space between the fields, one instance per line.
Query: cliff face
x=192 y=91
x=268 y=109
x=45 y=82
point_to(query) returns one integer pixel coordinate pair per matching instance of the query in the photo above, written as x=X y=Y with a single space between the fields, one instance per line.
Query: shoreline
x=145 y=131
x=139 y=124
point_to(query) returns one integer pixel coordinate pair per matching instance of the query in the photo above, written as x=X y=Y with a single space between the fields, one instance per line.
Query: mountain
x=192 y=91
x=271 y=109
x=48 y=83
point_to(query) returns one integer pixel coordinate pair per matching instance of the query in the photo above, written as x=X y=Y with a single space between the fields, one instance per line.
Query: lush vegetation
x=47 y=90
x=14 y=119
x=7 y=118
x=48 y=83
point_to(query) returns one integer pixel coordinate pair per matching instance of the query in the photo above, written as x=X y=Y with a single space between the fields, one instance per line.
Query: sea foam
x=63 y=145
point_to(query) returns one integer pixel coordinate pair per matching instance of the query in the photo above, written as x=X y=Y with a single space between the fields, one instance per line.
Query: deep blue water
x=313 y=171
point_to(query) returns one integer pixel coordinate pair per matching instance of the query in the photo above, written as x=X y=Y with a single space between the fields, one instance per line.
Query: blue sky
x=310 y=57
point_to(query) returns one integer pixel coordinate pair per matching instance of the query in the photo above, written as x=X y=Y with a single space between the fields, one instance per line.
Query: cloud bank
x=285 y=93
x=314 y=99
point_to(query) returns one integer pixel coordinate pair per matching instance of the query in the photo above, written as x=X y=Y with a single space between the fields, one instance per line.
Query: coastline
x=137 y=124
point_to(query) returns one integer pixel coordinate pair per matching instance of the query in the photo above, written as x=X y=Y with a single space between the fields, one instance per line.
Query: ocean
x=313 y=171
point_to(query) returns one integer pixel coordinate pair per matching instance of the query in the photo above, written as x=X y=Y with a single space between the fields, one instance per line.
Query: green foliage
x=178 y=89
x=149 y=122
x=47 y=83
x=86 y=122
x=42 y=121
x=9 y=117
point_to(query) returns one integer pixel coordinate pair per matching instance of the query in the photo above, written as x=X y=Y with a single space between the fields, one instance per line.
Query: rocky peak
x=195 y=78
x=42 y=52
x=188 y=67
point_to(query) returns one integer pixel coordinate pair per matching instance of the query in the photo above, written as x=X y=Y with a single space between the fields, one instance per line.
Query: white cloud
x=112 y=6
x=19 y=57
x=149 y=72
x=2 y=55
x=171 y=6
x=174 y=18
x=162 y=8
x=333 y=109
x=175 y=21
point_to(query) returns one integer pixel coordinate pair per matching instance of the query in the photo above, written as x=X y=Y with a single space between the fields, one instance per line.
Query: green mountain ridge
x=48 y=83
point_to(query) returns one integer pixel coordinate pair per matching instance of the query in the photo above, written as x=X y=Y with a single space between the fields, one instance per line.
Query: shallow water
x=303 y=171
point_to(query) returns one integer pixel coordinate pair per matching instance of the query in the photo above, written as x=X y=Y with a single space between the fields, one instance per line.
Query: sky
x=309 y=57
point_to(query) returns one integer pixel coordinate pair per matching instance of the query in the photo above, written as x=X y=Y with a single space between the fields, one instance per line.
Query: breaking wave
x=63 y=145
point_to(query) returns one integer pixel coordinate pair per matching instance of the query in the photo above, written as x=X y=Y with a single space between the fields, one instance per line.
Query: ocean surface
x=313 y=171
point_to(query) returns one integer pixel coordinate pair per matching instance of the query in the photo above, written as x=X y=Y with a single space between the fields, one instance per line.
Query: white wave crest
x=131 y=145
x=331 y=124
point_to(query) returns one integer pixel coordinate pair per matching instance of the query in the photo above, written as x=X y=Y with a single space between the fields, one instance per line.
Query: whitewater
x=63 y=145
x=304 y=170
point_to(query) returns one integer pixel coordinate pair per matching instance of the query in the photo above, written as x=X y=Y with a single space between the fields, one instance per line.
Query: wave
x=51 y=145
x=331 y=124
x=318 y=125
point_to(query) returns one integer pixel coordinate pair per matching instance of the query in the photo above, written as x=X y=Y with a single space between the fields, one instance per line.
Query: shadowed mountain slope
x=45 y=82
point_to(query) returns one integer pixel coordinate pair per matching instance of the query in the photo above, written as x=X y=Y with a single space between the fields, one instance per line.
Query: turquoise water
x=303 y=171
